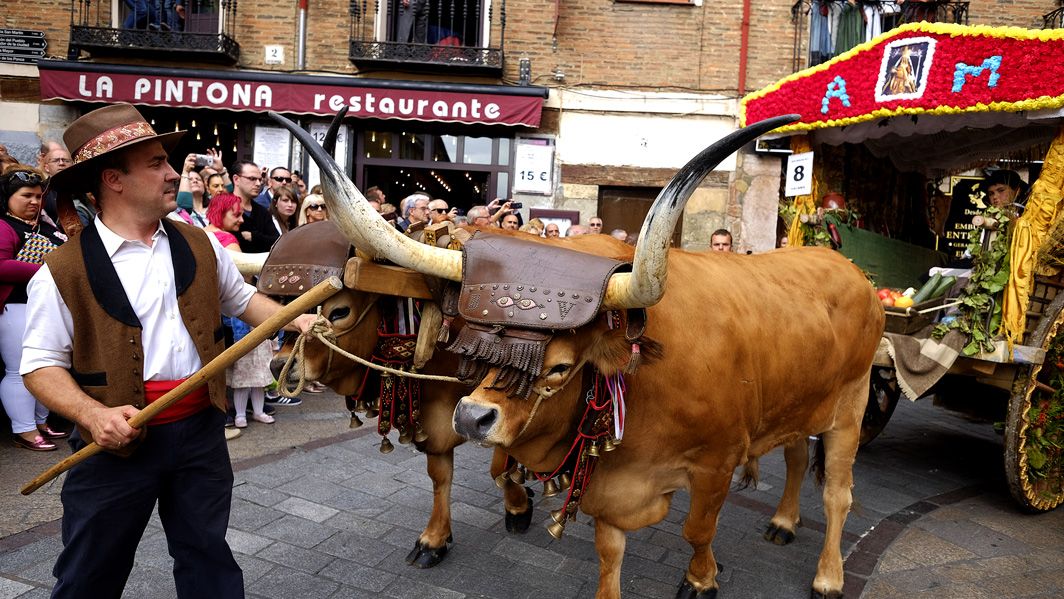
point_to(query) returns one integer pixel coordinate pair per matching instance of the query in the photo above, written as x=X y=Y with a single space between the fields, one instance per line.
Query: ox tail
x=816 y=465
x=750 y=476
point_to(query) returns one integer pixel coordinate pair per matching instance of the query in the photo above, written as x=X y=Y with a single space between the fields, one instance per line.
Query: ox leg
x=431 y=546
x=840 y=449
x=609 y=543
x=783 y=527
x=516 y=498
x=708 y=491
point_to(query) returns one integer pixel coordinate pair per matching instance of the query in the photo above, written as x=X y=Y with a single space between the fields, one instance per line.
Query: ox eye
x=559 y=369
x=339 y=314
x=504 y=302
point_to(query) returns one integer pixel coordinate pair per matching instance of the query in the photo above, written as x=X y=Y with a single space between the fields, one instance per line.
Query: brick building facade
x=636 y=87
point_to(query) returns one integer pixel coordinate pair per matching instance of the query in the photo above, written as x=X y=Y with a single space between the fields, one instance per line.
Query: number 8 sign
x=799 y=175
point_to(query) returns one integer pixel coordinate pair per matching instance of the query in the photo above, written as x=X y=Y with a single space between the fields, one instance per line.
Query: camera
x=516 y=205
x=203 y=160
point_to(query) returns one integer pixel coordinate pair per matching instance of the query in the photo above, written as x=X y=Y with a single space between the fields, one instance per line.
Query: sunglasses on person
x=27 y=178
x=285 y=180
x=250 y=178
x=315 y=207
x=438 y=210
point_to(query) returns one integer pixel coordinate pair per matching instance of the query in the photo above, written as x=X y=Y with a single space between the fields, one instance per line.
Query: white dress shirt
x=147 y=276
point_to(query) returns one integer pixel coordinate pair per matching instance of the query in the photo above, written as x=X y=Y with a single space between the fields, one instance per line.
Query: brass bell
x=420 y=436
x=608 y=445
x=550 y=488
x=405 y=436
x=386 y=446
x=500 y=480
x=361 y=406
x=593 y=451
x=556 y=530
x=355 y=421
x=517 y=476
x=564 y=480
x=558 y=516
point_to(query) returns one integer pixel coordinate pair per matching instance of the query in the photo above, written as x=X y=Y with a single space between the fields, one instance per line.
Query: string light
x=216 y=128
x=193 y=123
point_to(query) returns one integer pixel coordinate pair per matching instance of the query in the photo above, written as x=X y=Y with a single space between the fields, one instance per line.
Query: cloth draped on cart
x=920 y=361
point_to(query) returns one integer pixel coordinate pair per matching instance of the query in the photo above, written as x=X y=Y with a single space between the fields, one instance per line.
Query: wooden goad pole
x=215 y=367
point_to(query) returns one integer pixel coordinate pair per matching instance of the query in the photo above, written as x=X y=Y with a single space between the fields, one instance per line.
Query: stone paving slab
x=335 y=519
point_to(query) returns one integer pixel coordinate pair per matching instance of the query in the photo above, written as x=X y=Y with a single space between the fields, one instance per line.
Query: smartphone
x=204 y=160
x=516 y=205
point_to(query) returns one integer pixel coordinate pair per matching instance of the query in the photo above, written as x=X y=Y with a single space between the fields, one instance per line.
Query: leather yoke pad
x=304 y=257
x=512 y=282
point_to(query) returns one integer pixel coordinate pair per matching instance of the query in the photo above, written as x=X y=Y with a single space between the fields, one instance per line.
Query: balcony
x=201 y=31
x=824 y=29
x=424 y=35
x=1055 y=19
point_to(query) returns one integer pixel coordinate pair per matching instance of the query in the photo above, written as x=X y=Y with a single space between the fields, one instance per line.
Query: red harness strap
x=188 y=405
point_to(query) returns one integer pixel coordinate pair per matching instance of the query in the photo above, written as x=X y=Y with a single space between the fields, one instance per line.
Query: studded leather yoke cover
x=304 y=257
x=511 y=282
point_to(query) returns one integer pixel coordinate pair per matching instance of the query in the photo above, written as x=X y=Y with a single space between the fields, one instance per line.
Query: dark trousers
x=107 y=501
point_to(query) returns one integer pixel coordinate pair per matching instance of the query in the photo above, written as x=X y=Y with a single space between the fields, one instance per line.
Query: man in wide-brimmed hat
x=118 y=316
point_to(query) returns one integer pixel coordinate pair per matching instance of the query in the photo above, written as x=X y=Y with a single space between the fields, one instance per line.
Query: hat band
x=113 y=138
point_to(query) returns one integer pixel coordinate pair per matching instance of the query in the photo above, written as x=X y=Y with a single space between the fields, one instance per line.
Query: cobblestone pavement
x=319 y=512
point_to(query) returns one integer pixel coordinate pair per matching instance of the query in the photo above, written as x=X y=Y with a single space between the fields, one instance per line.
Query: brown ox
x=354 y=316
x=759 y=352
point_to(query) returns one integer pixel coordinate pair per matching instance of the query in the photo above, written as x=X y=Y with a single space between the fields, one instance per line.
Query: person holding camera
x=500 y=216
x=192 y=196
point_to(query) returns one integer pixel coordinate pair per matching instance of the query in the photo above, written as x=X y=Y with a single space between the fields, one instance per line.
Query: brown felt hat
x=102 y=131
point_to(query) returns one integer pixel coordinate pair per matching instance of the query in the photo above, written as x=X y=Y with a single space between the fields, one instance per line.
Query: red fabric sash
x=188 y=405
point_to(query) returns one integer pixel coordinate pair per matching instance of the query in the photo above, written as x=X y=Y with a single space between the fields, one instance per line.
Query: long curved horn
x=361 y=224
x=329 y=144
x=248 y=264
x=645 y=285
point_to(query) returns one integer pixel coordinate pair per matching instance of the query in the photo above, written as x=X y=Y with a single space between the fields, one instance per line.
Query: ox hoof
x=519 y=523
x=687 y=591
x=423 y=556
x=815 y=594
x=778 y=535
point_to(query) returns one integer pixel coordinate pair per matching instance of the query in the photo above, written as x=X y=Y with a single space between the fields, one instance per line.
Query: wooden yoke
x=363 y=274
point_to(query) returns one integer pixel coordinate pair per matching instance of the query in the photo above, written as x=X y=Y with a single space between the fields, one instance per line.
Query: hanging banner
x=921 y=68
x=298 y=94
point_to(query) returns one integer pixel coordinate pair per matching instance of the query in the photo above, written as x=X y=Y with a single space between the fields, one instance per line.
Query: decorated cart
x=902 y=130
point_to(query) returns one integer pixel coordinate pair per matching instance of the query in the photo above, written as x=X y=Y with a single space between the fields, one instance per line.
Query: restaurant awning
x=257 y=91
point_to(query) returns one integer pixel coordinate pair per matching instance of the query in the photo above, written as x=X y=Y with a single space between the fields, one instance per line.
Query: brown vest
x=108 y=355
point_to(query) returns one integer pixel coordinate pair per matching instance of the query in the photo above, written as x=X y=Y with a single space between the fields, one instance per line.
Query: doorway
x=627 y=207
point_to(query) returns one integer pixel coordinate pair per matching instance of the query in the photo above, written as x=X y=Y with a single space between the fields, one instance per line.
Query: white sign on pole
x=799 y=175
x=318 y=131
x=533 y=168
x=273 y=146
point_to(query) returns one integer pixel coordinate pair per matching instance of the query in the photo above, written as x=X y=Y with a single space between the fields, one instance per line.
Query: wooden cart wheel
x=1034 y=426
x=883 y=393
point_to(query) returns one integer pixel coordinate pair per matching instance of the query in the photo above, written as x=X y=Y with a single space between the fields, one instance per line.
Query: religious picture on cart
x=904 y=71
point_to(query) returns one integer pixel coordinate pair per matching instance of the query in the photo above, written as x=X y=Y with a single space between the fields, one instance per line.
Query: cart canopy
x=931 y=97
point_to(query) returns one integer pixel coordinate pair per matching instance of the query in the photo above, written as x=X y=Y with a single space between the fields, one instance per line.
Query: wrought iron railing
x=420 y=34
x=1053 y=20
x=201 y=28
x=814 y=41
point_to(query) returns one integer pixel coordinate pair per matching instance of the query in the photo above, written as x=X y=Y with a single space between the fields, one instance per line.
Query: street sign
x=21 y=33
x=35 y=43
x=22 y=45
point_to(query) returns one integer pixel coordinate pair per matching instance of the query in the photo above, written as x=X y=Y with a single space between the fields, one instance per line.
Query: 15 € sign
x=533 y=168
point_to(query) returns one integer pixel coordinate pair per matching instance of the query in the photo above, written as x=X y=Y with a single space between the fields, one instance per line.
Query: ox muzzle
x=474 y=421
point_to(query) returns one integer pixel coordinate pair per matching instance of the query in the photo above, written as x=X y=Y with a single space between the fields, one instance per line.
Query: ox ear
x=610 y=350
